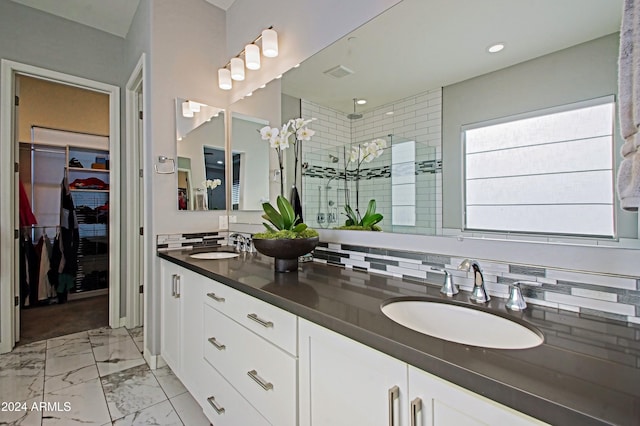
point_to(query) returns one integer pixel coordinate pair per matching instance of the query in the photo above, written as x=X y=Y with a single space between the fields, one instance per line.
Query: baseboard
x=154 y=361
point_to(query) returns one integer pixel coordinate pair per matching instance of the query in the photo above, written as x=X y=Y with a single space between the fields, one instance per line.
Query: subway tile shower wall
x=325 y=189
x=597 y=295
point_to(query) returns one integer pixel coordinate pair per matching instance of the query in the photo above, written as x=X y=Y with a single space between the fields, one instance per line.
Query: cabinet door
x=442 y=403
x=191 y=357
x=345 y=383
x=172 y=279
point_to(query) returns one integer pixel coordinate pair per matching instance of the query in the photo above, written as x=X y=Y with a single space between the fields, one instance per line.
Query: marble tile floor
x=95 y=377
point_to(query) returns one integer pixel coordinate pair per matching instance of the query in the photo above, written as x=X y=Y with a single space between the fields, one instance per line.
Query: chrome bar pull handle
x=216 y=298
x=259 y=380
x=219 y=346
x=173 y=285
x=416 y=408
x=178 y=285
x=256 y=318
x=212 y=401
x=394 y=393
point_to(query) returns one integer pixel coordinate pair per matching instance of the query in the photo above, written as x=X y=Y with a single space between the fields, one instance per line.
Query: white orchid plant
x=292 y=132
x=362 y=153
x=212 y=183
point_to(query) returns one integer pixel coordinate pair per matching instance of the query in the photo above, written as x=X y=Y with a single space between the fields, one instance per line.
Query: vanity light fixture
x=237 y=69
x=234 y=69
x=194 y=106
x=252 y=56
x=187 y=112
x=224 y=79
x=270 y=43
x=495 y=48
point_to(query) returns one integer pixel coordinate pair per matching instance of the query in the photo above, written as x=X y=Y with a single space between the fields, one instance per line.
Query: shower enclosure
x=331 y=181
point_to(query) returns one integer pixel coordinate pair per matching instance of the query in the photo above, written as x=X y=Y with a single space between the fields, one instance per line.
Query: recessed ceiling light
x=495 y=48
x=389 y=113
x=361 y=101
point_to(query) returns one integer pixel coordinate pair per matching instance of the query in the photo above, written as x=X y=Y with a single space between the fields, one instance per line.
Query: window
x=403 y=184
x=549 y=172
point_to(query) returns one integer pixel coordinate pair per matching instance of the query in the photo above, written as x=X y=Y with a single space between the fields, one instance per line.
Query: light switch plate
x=223 y=222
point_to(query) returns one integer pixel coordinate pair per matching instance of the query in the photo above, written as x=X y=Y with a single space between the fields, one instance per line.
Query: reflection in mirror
x=422 y=86
x=250 y=163
x=200 y=140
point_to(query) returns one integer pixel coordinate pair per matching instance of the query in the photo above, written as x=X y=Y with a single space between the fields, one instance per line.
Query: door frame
x=135 y=144
x=8 y=184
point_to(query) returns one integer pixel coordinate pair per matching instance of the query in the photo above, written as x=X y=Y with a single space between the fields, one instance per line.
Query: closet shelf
x=87 y=170
x=89 y=190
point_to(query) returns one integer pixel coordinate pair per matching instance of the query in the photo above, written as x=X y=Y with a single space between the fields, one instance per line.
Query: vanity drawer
x=270 y=322
x=263 y=373
x=223 y=405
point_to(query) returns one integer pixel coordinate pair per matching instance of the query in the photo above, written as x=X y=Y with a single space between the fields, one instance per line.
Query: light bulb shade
x=224 y=79
x=186 y=110
x=194 y=106
x=270 y=43
x=252 y=56
x=237 y=69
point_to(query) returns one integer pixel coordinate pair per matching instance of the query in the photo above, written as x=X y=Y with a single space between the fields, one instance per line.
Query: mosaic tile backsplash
x=587 y=294
x=609 y=296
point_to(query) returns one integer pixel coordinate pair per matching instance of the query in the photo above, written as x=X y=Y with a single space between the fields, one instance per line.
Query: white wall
x=37 y=38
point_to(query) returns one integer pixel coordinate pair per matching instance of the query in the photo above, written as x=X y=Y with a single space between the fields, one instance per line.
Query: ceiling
x=111 y=16
x=419 y=45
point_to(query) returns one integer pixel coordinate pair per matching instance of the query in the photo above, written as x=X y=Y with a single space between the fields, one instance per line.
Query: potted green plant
x=368 y=222
x=285 y=238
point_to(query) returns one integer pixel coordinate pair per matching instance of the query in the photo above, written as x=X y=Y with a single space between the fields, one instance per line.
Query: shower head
x=354 y=115
x=333 y=158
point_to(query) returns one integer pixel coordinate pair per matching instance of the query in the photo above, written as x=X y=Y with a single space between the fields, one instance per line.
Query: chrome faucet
x=240 y=241
x=448 y=287
x=479 y=293
x=516 y=302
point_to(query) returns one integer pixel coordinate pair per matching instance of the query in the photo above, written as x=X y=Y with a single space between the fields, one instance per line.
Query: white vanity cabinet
x=343 y=382
x=251 y=345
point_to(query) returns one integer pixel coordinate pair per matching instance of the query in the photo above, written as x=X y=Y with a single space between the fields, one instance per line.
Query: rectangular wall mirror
x=417 y=90
x=200 y=140
x=250 y=157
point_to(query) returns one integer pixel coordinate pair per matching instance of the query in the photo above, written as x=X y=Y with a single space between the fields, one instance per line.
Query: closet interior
x=52 y=171
x=64 y=172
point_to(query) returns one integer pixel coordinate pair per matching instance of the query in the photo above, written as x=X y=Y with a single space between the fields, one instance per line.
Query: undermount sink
x=461 y=323
x=214 y=255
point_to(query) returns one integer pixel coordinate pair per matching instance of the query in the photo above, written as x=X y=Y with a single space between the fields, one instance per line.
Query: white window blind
x=550 y=172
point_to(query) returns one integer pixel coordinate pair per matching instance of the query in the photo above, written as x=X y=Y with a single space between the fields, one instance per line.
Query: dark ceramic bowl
x=286 y=251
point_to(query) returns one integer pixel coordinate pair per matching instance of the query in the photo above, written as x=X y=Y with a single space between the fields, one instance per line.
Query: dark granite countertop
x=586 y=372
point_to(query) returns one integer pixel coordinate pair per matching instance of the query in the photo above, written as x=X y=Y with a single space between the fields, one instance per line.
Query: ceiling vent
x=339 y=71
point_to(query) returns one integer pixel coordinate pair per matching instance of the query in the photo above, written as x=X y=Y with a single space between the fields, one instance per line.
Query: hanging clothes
x=44 y=286
x=69 y=240
x=27 y=218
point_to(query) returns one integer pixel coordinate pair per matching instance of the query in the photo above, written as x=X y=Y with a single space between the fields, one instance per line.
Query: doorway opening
x=62 y=133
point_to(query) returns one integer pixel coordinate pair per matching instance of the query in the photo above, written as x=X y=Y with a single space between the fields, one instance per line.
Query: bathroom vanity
x=313 y=348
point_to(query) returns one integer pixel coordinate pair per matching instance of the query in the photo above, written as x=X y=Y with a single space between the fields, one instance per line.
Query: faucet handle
x=448 y=287
x=516 y=301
